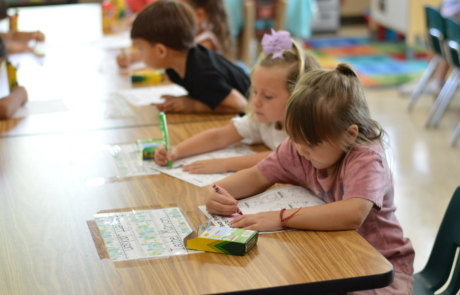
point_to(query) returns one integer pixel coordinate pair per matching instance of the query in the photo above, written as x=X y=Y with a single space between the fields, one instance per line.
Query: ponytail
x=346 y=70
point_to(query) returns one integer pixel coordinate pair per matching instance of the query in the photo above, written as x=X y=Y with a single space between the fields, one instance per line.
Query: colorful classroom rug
x=379 y=64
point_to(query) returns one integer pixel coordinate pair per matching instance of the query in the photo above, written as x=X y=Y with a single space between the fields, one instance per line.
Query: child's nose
x=256 y=101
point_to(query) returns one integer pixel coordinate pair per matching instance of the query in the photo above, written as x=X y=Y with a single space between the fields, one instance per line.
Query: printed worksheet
x=129 y=162
x=151 y=95
x=272 y=200
x=203 y=179
x=144 y=234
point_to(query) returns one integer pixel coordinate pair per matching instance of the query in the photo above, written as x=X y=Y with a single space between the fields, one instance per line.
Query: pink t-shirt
x=364 y=173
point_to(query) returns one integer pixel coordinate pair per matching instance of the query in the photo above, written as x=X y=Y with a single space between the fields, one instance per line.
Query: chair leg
x=445 y=101
x=455 y=136
x=446 y=89
x=423 y=81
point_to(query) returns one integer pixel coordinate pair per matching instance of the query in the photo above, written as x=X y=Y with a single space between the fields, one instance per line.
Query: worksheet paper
x=144 y=234
x=272 y=200
x=110 y=42
x=203 y=179
x=151 y=95
x=129 y=162
x=39 y=107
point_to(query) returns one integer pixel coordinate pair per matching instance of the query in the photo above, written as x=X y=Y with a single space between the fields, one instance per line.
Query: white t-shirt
x=255 y=132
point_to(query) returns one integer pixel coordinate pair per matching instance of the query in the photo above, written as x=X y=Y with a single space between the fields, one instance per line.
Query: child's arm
x=233 y=103
x=23 y=36
x=226 y=164
x=244 y=183
x=10 y=104
x=341 y=215
x=206 y=141
x=125 y=58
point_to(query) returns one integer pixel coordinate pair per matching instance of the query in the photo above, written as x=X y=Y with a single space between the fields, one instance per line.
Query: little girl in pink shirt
x=335 y=150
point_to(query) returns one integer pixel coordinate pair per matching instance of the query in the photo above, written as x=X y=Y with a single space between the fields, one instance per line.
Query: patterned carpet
x=379 y=64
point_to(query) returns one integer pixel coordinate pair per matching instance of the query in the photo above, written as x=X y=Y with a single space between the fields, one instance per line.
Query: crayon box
x=147 y=147
x=147 y=76
x=234 y=241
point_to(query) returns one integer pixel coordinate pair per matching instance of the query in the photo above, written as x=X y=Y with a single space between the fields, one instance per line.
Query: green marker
x=164 y=130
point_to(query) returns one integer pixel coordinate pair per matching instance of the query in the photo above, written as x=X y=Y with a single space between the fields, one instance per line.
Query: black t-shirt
x=209 y=77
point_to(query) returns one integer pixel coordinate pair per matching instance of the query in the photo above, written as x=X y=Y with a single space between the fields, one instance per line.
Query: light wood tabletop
x=47 y=246
x=75 y=85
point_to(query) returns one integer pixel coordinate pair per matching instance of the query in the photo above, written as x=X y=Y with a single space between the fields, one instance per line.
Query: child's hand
x=220 y=204
x=21 y=92
x=173 y=104
x=17 y=47
x=123 y=60
x=263 y=221
x=38 y=36
x=206 y=167
x=162 y=157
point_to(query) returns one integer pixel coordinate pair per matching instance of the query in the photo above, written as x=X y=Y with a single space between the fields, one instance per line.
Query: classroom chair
x=452 y=53
x=444 y=256
x=435 y=39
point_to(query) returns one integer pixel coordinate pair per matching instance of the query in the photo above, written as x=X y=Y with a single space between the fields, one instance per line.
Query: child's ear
x=161 y=50
x=351 y=134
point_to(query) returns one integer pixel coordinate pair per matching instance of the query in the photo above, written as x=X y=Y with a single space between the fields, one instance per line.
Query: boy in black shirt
x=164 y=32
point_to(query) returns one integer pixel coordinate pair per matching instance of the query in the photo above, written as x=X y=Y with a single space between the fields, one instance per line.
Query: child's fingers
x=220 y=209
x=160 y=156
x=172 y=156
x=203 y=167
x=244 y=221
x=221 y=204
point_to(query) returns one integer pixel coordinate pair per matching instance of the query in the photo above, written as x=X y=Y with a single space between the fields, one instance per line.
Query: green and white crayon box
x=234 y=241
x=147 y=147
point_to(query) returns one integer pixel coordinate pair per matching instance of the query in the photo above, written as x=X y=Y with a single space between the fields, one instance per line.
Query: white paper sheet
x=129 y=162
x=108 y=107
x=151 y=95
x=41 y=107
x=109 y=42
x=272 y=200
x=144 y=234
x=204 y=179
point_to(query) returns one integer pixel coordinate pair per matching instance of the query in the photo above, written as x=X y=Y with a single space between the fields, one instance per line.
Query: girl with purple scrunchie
x=273 y=78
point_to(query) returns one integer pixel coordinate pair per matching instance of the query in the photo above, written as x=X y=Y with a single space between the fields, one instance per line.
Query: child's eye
x=268 y=97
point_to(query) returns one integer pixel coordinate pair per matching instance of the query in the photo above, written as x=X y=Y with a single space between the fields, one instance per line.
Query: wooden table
x=47 y=247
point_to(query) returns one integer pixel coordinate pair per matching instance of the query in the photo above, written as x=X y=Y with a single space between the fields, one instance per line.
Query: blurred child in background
x=17 y=42
x=17 y=97
x=164 y=32
x=213 y=30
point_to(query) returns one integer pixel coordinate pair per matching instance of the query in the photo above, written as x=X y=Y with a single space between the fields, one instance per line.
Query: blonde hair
x=324 y=104
x=296 y=62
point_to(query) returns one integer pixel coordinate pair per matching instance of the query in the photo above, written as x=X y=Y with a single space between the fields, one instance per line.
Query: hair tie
x=276 y=43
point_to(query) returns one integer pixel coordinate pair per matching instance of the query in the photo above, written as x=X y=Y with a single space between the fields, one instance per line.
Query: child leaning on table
x=335 y=150
x=273 y=79
x=17 y=97
x=164 y=32
x=213 y=30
